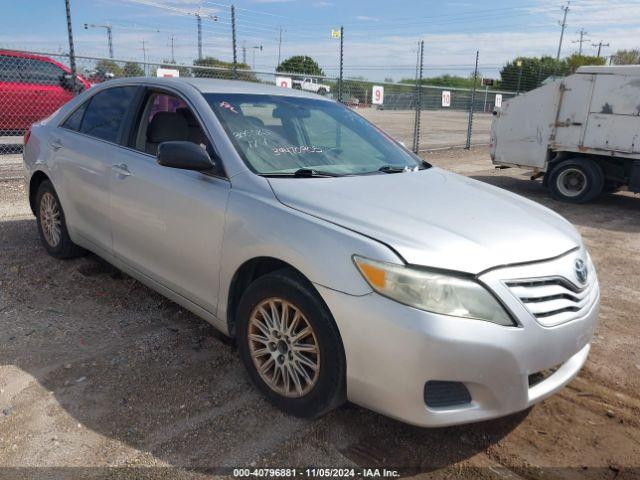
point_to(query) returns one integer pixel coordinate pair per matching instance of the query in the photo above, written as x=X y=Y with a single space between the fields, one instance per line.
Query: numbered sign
x=377 y=95
x=498 y=102
x=167 y=72
x=284 y=82
x=446 y=98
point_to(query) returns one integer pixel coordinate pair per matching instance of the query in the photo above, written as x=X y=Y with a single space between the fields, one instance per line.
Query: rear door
x=168 y=223
x=87 y=145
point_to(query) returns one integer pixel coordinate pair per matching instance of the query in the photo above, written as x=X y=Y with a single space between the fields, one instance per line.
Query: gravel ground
x=98 y=371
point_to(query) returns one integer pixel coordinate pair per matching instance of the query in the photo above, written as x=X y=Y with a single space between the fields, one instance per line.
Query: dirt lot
x=439 y=128
x=98 y=371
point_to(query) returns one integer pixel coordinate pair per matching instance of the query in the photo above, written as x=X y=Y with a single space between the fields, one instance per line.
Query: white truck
x=311 y=85
x=581 y=133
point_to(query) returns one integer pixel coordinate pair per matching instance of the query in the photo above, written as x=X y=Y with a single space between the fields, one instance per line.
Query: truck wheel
x=322 y=91
x=290 y=345
x=576 y=180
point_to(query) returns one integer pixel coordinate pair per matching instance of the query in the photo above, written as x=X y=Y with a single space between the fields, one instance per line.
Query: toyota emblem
x=582 y=272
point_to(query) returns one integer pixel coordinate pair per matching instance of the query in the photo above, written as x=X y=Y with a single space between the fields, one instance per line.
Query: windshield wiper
x=310 y=172
x=302 y=173
x=393 y=169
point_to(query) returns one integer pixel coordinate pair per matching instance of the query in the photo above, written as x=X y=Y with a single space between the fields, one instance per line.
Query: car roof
x=214 y=85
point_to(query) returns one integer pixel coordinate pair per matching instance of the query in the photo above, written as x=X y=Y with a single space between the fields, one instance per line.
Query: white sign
x=167 y=72
x=498 y=101
x=446 y=98
x=377 y=95
x=284 y=82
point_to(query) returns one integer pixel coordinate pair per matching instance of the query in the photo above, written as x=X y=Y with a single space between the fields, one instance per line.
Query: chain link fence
x=34 y=85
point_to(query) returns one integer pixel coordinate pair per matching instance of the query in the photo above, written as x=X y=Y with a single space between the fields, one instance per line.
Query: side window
x=105 y=114
x=167 y=118
x=75 y=119
x=45 y=73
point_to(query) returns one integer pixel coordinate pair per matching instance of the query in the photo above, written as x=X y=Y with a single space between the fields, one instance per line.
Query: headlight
x=433 y=291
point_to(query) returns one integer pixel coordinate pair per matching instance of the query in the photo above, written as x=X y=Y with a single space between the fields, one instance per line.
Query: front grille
x=440 y=394
x=554 y=300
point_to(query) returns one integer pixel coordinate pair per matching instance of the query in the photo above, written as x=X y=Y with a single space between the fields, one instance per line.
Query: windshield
x=278 y=135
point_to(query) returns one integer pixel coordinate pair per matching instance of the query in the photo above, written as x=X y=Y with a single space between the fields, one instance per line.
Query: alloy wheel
x=50 y=219
x=284 y=347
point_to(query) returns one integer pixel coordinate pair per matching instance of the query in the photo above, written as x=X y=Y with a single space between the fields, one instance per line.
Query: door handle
x=121 y=169
x=56 y=144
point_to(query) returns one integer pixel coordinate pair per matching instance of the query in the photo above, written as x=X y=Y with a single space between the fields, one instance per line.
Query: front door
x=168 y=223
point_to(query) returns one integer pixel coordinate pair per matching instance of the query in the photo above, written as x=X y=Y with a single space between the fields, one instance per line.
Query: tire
x=324 y=389
x=322 y=91
x=49 y=213
x=576 y=180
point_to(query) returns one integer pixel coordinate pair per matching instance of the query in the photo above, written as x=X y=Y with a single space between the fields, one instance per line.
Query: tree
x=300 y=64
x=132 y=69
x=108 y=68
x=626 y=57
x=526 y=73
x=220 y=69
x=453 y=81
x=575 y=61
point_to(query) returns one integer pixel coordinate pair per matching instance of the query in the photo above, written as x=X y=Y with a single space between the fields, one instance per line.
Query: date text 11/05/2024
x=316 y=472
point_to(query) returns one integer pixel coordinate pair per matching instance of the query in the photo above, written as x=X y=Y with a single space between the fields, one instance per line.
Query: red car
x=32 y=87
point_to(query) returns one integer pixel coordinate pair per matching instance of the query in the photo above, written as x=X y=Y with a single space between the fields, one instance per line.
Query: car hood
x=435 y=218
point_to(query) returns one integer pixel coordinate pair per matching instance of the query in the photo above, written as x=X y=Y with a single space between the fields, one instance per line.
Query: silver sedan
x=344 y=266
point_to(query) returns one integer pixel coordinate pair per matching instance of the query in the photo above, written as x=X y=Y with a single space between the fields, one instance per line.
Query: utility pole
x=233 y=41
x=173 y=58
x=583 y=33
x=563 y=25
x=599 y=45
x=108 y=27
x=72 y=54
x=279 y=45
x=199 y=20
x=244 y=52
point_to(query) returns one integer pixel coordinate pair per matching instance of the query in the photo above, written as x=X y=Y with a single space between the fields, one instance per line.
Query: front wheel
x=290 y=345
x=576 y=180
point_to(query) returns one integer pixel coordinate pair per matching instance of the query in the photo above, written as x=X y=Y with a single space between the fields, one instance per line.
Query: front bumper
x=392 y=351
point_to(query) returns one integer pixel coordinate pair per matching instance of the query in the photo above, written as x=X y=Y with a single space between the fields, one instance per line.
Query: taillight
x=27 y=134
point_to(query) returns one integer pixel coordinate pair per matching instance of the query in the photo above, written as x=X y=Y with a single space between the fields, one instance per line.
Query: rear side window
x=75 y=119
x=105 y=114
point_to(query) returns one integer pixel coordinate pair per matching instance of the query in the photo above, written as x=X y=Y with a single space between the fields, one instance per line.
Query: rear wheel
x=51 y=224
x=576 y=180
x=290 y=345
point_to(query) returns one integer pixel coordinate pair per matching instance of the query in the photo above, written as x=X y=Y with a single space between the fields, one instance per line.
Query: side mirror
x=66 y=81
x=184 y=155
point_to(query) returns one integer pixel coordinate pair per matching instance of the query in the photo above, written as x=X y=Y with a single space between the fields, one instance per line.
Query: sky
x=380 y=39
